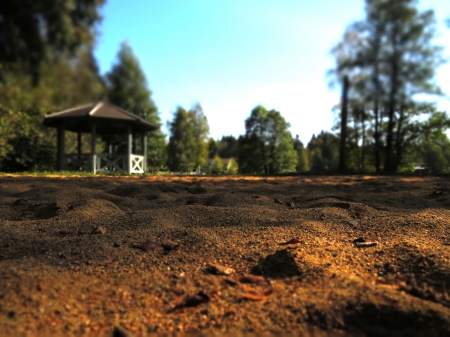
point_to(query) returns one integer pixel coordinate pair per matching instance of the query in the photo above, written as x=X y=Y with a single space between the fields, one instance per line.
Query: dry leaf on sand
x=170 y=245
x=253 y=279
x=148 y=246
x=220 y=270
x=290 y=242
x=254 y=295
x=191 y=301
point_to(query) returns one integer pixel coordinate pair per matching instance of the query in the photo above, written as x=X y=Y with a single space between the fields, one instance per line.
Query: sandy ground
x=344 y=255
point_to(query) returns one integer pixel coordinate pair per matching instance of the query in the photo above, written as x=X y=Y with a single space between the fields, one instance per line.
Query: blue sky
x=231 y=55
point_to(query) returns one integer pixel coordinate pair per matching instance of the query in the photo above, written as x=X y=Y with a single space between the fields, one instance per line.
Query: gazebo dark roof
x=109 y=119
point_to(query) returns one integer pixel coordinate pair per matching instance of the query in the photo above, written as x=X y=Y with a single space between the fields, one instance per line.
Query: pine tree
x=127 y=88
x=182 y=146
x=201 y=131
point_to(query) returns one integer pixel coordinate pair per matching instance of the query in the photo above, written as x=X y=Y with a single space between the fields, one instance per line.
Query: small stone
x=12 y=314
x=116 y=244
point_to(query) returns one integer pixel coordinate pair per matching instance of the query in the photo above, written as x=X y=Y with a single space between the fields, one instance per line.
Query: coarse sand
x=232 y=256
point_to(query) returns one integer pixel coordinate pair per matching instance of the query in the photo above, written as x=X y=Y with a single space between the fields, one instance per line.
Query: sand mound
x=349 y=255
x=94 y=209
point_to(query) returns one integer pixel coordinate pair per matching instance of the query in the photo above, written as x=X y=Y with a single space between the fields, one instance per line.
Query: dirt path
x=358 y=255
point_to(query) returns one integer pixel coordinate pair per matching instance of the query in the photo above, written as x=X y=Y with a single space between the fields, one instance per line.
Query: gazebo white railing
x=105 y=163
x=137 y=163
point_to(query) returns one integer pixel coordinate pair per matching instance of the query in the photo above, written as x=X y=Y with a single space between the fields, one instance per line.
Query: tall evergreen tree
x=182 y=146
x=127 y=88
x=201 y=131
x=127 y=84
x=324 y=152
x=302 y=155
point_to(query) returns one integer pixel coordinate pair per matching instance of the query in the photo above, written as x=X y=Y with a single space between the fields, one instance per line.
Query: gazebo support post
x=110 y=146
x=129 y=147
x=93 y=139
x=61 y=147
x=79 y=149
x=144 y=146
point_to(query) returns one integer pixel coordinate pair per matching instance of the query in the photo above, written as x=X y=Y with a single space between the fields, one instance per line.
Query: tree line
x=389 y=60
x=386 y=60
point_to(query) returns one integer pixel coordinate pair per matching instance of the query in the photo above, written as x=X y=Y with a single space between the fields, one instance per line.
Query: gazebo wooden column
x=61 y=147
x=129 y=147
x=93 y=145
x=144 y=146
x=79 y=147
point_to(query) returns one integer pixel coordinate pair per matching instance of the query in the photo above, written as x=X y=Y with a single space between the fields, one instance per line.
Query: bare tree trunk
x=344 y=113
x=388 y=160
x=356 y=133
x=377 y=137
x=363 y=148
x=399 y=141
x=376 y=103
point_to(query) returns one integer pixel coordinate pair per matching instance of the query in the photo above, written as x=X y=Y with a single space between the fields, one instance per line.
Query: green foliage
x=213 y=149
x=267 y=146
x=127 y=85
x=228 y=147
x=390 y=57
x=232 y=167
x=188 y=147
x=217 y=164
x=302 y=156
x=181 y=147
x=31 y=31
x=46 y=64
x=324 y=152
x=200 y=131
x=436 y=156
x=433 y=147
x=30 y=146
x=127 y=88
x=64 y=83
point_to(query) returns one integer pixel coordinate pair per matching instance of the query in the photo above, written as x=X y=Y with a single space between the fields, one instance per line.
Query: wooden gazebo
x=106 y=120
